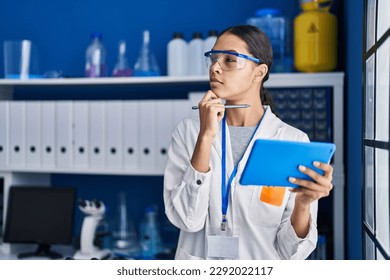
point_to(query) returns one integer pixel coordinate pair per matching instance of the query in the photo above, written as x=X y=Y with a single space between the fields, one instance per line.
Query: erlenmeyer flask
x=124 y=235
x=146 y=64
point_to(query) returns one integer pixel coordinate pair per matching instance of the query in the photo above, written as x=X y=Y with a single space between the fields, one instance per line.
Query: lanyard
x=225 y=188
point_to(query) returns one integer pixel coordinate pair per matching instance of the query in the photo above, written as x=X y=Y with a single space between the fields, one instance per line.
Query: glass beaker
x=21 y=60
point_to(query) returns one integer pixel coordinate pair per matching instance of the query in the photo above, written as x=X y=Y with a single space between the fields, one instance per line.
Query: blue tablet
x=271 y=162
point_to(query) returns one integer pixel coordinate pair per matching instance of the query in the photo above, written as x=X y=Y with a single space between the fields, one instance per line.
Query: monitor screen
x=40 y=215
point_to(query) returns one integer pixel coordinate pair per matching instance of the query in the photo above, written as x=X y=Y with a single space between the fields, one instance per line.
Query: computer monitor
x=40 y=215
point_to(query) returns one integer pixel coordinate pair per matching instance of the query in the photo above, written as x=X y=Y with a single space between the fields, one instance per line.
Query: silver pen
x=234 y=106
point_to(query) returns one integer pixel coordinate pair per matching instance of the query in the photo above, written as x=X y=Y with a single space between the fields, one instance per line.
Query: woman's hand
x=211 y=112
x=309 y=191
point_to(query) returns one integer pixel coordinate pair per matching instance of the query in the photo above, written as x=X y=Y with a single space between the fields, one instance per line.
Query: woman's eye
x=213 y=58
x=230 y=59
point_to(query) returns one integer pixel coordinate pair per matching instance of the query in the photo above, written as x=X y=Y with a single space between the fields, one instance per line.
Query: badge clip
x=223 y=223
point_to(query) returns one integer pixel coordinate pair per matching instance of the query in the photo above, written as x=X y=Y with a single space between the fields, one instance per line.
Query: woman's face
x=236 y=84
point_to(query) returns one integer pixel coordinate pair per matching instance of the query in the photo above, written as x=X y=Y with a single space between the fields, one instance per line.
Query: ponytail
x=266 y=98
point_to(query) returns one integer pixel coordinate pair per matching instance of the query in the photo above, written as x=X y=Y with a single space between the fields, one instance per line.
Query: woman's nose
x=215 y=66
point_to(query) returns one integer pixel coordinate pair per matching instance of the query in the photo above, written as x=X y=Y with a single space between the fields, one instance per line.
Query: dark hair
x=260 y=47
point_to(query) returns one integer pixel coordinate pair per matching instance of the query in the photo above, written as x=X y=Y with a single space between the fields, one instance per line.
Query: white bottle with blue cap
x=95 y=65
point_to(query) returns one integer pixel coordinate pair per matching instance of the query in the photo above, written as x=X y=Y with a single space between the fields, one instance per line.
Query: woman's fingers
x=211 y=112
x=327 y=168
x=322 y=184
x=208 y=97
x=211 y=103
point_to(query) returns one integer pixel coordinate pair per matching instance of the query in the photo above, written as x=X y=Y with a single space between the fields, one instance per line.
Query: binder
x=194 y=98
x=64 y=151
x=113 y=132
x=48 y=134
x=181 y=110
x=33 y=134
x=164 y=126
x=80 y=134
x=17 y=134
x=131 y=146
x=96 y=134
x=147 y=134
x=4 y=134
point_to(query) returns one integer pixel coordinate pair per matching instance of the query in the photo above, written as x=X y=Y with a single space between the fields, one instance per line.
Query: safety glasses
x=228 y=60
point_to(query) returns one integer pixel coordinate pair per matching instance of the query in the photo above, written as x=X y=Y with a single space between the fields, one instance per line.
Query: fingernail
x=316 y=164
x=292 y=179
x=301 y=168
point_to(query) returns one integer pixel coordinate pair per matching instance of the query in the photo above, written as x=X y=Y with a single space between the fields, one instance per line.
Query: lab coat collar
x=270 y=125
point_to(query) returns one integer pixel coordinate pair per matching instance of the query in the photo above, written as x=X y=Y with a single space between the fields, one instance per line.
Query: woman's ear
x=261 y=70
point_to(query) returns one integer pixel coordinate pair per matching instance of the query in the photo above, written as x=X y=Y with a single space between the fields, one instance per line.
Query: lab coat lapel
x=269 y=127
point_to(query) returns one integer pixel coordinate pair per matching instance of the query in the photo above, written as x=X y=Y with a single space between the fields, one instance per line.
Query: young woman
x=220 y=219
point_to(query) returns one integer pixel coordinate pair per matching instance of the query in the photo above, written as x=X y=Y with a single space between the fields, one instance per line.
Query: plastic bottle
x=122 y=68
x=315 y=37
x=95 y=65
x=276 y=27
x=208 y=44
x=146 y=64
x=150 y=234
x=177 y=50
x=195 y=55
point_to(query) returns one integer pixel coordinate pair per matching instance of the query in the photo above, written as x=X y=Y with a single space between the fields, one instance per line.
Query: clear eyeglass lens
x=227 y=62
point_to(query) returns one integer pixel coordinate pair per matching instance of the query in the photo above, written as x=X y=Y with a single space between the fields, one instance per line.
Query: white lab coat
x=193 y=199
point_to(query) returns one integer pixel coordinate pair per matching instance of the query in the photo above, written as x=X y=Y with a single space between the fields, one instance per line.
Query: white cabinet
x=23 y=173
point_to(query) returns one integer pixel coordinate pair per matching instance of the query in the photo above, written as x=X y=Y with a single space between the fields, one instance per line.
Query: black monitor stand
x=43 y=250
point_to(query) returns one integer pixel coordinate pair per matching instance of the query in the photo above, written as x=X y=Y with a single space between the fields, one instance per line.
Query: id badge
x=222 y=246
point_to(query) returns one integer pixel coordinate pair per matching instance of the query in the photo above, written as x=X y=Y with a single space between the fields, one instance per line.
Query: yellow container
x=315 y=37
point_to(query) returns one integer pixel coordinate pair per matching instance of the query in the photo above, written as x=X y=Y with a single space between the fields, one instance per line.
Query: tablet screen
x=272 y=162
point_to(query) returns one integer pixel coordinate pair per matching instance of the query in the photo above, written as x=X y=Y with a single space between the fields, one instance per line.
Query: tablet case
x=271 y=162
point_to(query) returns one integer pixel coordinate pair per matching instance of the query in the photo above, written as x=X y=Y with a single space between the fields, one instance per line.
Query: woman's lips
x=214 y=80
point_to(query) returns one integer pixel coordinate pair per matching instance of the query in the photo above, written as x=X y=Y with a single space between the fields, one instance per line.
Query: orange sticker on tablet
x=272 y=195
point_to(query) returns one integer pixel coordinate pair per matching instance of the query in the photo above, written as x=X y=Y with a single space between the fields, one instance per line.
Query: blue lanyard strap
x=225 y=189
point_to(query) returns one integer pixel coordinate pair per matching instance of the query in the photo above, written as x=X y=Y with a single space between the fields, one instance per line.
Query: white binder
x=4 y=134
x=181 y=110
x=33 y=133
x=147 y=134
x=17 y=136
x=64 y=151
x=48 y=134
x=164 y=126
x=114 y=138
x=194 y=98
x=80 y=134
x=131 y=146
x=96 y=134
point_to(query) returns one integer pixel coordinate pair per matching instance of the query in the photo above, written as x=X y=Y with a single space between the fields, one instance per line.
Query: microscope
x=94 y=211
